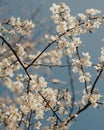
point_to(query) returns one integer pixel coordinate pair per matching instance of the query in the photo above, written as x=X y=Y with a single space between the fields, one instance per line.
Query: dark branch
x=16 y=56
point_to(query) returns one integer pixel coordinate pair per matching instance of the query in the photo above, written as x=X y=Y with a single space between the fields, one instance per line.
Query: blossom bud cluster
x=85 y=62
x=92 y=12
x=66 y=23
x=9 y=65
x=102 y=56
x=7 y=68
x=16 y=25
x=69 y=28
x=92 y=98
x=10 y=116
x=22 y=27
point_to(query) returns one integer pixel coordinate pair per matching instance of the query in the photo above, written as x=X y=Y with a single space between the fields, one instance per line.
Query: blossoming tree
x=32 y=95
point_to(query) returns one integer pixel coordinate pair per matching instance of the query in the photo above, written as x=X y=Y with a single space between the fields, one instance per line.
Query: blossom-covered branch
x=37 y=95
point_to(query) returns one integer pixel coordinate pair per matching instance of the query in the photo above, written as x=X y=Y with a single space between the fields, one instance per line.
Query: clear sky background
x=91 y=119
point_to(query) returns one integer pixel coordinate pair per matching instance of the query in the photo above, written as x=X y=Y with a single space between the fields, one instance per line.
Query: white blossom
x=92 y=11
x=82 y=16
x=22 y=71
x=54 y=8
x=102 y=55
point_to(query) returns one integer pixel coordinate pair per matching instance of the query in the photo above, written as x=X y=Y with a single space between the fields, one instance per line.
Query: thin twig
x=81 y=67
x=78 y=112
x=40 y=54
x=50 y=107
x=93 y=86
x=46 y=65
x=68 y=30
x=29 y=120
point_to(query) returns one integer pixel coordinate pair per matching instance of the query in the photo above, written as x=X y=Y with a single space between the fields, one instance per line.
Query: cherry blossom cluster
x=91 y=97
x=33 y=97
x=13 y=25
